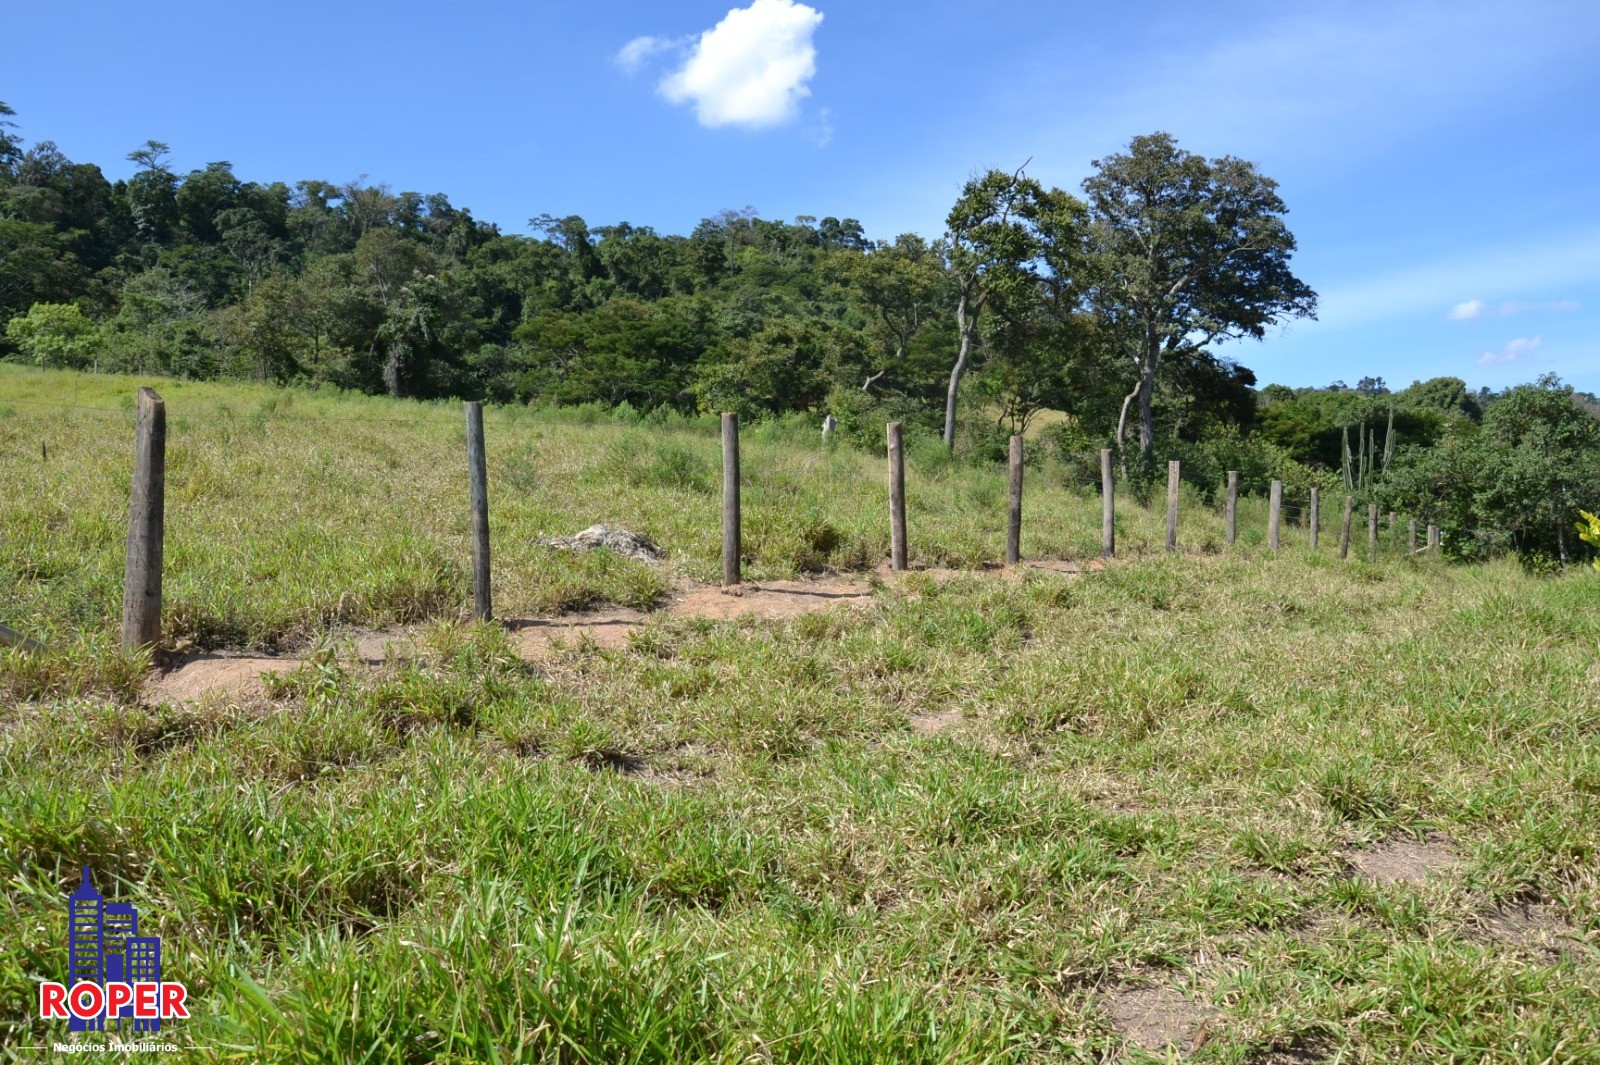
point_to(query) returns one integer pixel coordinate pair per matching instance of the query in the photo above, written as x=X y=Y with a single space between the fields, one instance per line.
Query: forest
x=1091 y=320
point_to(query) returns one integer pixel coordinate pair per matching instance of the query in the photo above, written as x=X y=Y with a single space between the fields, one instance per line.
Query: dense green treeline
x=1086 y=322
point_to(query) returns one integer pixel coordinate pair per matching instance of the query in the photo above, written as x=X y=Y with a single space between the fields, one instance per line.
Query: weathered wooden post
x=1274 y=514
x=1411 y=539
x=897 y=498
x=1014 y=525
x=1316 y=516
x=1108 y=506
x=1344 y=535
x=1231 y=521
x=10 y=637
x=141 y=586
x=1433 y=536
x=478 y=478
x=1372 y=532
x=731 y=542
x=1172 y=505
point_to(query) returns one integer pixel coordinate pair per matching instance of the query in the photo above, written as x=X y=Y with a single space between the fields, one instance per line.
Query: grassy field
x=1285 y=809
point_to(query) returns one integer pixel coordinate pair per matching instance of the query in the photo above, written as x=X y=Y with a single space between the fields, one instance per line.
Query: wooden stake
x=1411 y=540
x=1316 y=516
x=1433 y=536
x=732 y=544
x=10 y=637
x=1274 y=514
x=141 y=587
x=1344 y=535
x=478 y=484
x=1014 y=525
x=1172 y=505
x=1108 y=506
x=897 y=498
x=1231 y=521
x=1372 y=532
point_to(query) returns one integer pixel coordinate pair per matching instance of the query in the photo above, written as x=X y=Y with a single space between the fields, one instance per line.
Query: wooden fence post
x=1372 y=532
x=141 y=587
x=1231 y=521
x=897 y=498
x=10 y=637
x=1014 y=525
x=1411 y=540
x=1108 y=506
x=1274 y=514
x=1433 y=536
x=732 y=545
x=1316 y=516
x=1172 y=505
x=1344 y=535
x=478 y=478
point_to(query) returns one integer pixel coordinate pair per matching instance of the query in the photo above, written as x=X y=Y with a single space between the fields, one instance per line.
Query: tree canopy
x=1034 y=310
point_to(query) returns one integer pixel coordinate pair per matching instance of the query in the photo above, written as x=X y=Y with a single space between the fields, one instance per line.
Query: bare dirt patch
x=1056 y=565
x=1537 y=929
x=606 y=628
x=1407 y=861
x=932 y=724
x=188 y=677
x=768 y=599
x=1156 y=1018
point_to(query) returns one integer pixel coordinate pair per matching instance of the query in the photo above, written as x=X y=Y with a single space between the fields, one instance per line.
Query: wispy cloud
x=1472 y=310
x=636 y=51
x=1517 y=349
x=1554 y=263
x=752 y=69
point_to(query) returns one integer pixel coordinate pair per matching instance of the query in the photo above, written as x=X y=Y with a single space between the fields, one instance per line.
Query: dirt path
x=188 y=677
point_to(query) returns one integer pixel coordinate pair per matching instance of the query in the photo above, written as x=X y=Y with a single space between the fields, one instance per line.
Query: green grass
x=726 y=841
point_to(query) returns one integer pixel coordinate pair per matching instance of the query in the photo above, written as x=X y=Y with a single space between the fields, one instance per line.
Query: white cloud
x=1472 y=310
x=1516 y=349
x=1520 y=306
x=751 y=68
x=1553 y=262
x=639 y=49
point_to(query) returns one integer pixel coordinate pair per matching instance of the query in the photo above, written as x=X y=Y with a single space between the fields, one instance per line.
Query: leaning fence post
x=1172 y=505
x=1372 y=532
x=1231 y=521
x=1316 y=516
x=1274 y=514
x=141 y=587
x=1344 y=535
x=10 y=637
x=1108 y=506
x=731 y=528
x=478 y=478
x=897 y=498
x=1014 y=525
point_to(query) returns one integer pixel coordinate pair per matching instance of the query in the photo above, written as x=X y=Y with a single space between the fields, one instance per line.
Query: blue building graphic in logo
x=104 y=946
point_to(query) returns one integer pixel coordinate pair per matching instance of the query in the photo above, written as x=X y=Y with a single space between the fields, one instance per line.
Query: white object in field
x=829 y=424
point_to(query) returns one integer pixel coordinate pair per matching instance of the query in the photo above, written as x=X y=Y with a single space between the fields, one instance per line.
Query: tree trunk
x=965 y=323
x=1147 y=392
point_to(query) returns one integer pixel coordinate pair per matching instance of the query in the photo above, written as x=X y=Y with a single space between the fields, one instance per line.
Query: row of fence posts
x=141 y=602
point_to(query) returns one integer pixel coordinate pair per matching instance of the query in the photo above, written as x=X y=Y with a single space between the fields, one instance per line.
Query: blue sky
x=1440 y=160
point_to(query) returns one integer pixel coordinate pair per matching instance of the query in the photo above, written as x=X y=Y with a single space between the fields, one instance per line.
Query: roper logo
x=114 y=974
